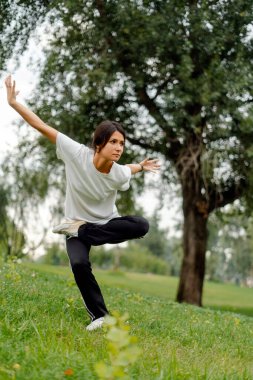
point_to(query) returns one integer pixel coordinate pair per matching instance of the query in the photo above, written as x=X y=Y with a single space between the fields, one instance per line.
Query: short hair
x=104 y=131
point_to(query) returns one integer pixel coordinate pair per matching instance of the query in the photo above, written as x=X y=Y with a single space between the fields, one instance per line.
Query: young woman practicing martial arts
x=93 y=178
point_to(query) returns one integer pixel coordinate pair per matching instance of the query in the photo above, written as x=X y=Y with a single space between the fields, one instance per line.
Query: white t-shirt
x=90 y=194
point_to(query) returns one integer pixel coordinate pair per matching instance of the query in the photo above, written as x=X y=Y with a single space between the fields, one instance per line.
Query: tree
x=12 y=239
x=178 y=74
x=230 y=253
x=18 y=19
x=23 y=185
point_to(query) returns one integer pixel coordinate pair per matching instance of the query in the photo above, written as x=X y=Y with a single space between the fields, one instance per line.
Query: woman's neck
x=101 y=164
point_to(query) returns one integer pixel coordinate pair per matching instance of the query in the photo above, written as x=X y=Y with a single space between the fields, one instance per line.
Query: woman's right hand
x=11 y=90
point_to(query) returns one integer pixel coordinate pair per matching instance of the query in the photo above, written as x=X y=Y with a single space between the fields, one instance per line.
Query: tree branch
x=161 y=87
x=141 y=143
x=152 y=107
x=219 y=199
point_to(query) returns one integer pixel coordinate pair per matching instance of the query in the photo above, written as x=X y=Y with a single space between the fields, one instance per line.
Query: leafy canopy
x=178 y=74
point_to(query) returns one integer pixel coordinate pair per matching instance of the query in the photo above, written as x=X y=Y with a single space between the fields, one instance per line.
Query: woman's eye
x=115 y=142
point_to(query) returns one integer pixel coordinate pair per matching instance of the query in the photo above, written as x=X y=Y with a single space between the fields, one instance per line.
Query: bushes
x=55 y=255
x=132 y=258
x=144 y=262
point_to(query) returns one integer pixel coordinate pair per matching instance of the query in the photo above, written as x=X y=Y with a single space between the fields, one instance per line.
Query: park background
x=182 y=86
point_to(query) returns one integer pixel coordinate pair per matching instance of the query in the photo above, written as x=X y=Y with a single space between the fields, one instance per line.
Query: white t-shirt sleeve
x=124 y=176
x=66 y=148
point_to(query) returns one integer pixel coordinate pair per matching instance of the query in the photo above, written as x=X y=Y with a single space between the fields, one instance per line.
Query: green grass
x=42 y=327
x=216 y=296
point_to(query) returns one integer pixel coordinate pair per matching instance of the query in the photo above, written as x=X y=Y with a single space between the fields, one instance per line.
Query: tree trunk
x=194 y=246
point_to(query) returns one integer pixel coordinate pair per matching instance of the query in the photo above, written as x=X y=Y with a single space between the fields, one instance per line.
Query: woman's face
x=113 y=149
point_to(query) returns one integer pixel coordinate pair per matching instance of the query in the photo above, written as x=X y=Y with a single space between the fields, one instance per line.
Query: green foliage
x=156 y=240
x=121 y=347
x=230 y=248
x=20 y=176
x=138 y=258
x=134 y=257
x=178 y=70
x=55 y=255
x=12 y=239
x=23 y=173
x=175 y=255
x=11 y=269
x=18 y=19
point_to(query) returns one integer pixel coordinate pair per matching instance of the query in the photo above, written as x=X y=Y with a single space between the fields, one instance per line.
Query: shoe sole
x=65 y=229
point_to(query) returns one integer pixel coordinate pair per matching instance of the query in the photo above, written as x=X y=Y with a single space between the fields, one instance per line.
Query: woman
x=93 y=178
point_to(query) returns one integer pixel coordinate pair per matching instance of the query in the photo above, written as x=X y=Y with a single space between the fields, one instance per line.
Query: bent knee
x=143 y=225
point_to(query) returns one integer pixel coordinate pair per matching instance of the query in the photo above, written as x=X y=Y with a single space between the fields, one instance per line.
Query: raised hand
x=151 y=165
x=11 y=90
x=29 y=116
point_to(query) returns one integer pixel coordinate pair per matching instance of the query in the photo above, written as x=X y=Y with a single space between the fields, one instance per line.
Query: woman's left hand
x=151 y=165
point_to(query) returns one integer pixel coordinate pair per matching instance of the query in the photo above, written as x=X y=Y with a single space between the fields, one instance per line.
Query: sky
x=26 y=81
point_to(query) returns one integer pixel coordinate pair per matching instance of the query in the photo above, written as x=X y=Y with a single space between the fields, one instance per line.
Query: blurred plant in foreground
x=122 y=348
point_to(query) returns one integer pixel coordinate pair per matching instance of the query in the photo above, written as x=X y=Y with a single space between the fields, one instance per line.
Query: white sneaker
x=68 y=227
x=97 y=324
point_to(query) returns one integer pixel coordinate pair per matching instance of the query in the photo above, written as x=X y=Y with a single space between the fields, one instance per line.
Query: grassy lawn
x=216 y=296
x=42 y=327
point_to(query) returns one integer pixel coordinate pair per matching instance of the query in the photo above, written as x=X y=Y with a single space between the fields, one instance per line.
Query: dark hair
x=104 y=131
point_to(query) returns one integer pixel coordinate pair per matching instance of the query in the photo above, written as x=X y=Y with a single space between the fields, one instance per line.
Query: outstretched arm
x=147 y=165
x=26 y=114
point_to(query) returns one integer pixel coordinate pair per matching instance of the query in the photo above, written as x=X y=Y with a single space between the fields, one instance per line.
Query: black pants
x=115 y=231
